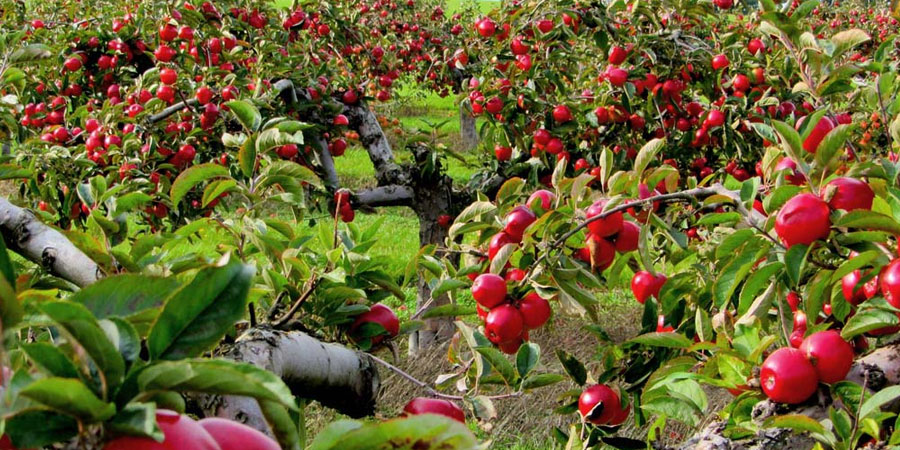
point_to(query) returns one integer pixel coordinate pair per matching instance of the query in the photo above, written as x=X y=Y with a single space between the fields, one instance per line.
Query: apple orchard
x=184 y=265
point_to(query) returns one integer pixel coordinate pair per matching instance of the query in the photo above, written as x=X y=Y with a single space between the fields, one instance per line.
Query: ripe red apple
x=720 y=61
x=489 y=290
x=504 y=323
x=793 y=301
x=617 y=55
x=849 y=194
x=381 y=315
x=543 y=197
x=599 y=404
x=497 y=242
x=232 y=435
x=890 y=282
x=181 y=433
x=803 y=220
x=627 y=239
x=602 y=252
x=606 y=226
x=502 y=152
x=787 y=376
x=755 y=46
x=423 y=405
x=535 y=310
x=822 y=128
x=830 y=354
x=644 y=285
x=562 y=114
x=517 y=221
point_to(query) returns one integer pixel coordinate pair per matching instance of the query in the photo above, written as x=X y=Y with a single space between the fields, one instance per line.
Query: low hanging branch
x=43 y=245
x=331 y=374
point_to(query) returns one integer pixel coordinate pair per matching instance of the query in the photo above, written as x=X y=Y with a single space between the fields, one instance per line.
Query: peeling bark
x=363 y=120
x=331 y=374
x=43 y=245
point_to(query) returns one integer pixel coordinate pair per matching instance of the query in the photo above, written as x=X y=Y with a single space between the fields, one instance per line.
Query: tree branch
x=43 y=245
x=383 y=196
x=363 y=120
x=190 y=103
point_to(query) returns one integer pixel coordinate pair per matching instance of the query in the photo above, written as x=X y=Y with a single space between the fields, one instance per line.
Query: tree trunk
x=433 y=197
x=468 y=133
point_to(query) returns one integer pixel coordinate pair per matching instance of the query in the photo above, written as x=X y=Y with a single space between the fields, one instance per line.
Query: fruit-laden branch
x=877 y=370
x=43 y=245
x=383 y=196
x=331 y=374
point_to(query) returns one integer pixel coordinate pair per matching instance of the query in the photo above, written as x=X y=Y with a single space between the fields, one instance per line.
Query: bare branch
x=384 y=196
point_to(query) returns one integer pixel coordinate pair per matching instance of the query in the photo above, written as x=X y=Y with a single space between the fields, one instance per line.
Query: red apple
x=504 y=323
x=602 y=252
x=535 y=310
x=232 y=435
x=822 y=128
x=849 y=194
x=181 y=433
x=787 y=376
x=489 y=290
x=890 y=282
x=381 y=315
x=644 y=285
x=803 y=220
x=498 y=241
x=423 y=405
x=599 y=404
x=517 y=221
x=544 y=197
x=830 y=354
x=627 y=239
x=607 y=226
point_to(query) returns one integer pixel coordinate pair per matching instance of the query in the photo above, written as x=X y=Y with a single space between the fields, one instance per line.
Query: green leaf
x=869 y=220
x=794 y=260
x=30 y=53
x=216 y=376
x=647 y=153
x=759 y=279
x=83 y=327
x=541 y=380
x=573 y=367
x=877 y=400
x=51 y=359
x=283 y=426
x=848 y=39
x=796 y=422
x=832 y=146
x=447 y=285
x=852 y=264
x=719 y=218
x=71 y=397
x=452 y=310
x=499 y=363
x=216 y=188
x=36 y=428
x=668 y=340
x=868 y=320
x=791 y=143
x=284 y=173
x=200 y=313
x=427 y=431
x=124 y=336
x=194 y=176
x=247 y=156
x=131 y=201
x=527 y=358
x=125 y=295
x=137 y=419
x=246 y=114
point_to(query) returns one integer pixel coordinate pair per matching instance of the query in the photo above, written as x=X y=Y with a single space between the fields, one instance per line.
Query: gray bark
x=468 y=133
x=331 y=374
x=45 y=246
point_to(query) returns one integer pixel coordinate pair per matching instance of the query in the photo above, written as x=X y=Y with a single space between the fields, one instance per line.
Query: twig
x=189 y=103
x=312 y=284
x=431 y=391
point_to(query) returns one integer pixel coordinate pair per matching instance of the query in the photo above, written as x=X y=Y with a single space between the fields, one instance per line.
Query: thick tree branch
x=384 y=196
x=327 y=164
x=37 y=242
x=331 y=374
x=363 y=120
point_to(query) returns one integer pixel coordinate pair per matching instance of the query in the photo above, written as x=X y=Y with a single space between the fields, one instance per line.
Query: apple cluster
x=183 y=433
x=342 y=205
x=791 y=375
x=608 y=234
